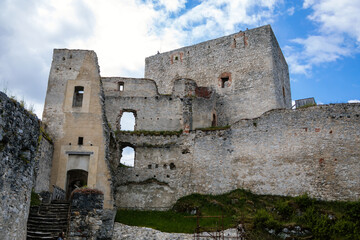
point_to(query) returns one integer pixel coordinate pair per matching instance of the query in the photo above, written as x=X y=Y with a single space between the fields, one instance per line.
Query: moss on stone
x=150 y=133
x=35 y=199
x=214 y=128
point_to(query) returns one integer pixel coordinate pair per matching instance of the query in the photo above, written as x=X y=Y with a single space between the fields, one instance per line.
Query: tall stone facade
x=74 y=117
x=209 y=118
x=246 y=69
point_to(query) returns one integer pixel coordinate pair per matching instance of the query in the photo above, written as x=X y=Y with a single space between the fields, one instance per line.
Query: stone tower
x=73 y=115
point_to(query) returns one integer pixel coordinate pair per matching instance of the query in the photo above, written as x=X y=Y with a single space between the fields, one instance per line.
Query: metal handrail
x=58 y=193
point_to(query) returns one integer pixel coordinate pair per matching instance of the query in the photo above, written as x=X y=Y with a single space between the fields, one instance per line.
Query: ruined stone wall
x=161 y=173
x=251 y=60
x=285 y=152
x=43 y=165
x=88 y=218
x=19 y=134
x=188 y=107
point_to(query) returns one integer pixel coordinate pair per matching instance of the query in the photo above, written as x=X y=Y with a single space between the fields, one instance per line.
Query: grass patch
x=35 y=199
x=258 y=213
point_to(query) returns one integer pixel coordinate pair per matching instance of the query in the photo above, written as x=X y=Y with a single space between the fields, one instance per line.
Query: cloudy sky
x=320 y=39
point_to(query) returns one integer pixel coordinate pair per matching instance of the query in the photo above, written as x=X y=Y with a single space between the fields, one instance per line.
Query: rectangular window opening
x=78 y=96
x=223 y=81
x=120 y=86
x=80 y=141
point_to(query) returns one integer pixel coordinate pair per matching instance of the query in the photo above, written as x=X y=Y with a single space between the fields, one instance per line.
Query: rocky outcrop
x=19 y=135
x=125 y=232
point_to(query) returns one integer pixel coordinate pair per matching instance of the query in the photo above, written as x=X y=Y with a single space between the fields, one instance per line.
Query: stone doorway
x=75 y=179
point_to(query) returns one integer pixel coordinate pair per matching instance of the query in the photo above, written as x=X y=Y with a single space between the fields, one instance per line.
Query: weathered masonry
x=209 y=118
x=73 y=115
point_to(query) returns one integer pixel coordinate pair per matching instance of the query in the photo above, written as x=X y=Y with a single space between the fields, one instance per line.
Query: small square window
x=80 y=141
x=224 y=80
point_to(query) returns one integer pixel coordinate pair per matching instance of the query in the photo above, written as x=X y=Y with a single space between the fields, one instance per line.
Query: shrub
x=263 y=219
x=284 y=209
x=320 y=225
x=35 y=199
x=304 y=201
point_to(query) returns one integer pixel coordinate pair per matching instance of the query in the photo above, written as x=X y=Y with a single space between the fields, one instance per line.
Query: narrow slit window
x=213 y=122
x=80 y=141
x=224 y=81
x=283 y=90
x=120 y=86
x=78 y=96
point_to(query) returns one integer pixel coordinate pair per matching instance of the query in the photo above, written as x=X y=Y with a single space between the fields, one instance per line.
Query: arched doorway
x=75 y=178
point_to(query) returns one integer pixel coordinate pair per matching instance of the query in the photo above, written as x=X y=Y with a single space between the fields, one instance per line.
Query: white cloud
x=122 y=33
x=336 y=16
x=337 y=36
x=173 y=5
x=354 y=101
x=290 y=11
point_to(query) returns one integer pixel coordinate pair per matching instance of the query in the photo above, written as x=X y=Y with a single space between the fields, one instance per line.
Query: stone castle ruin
x=209 y=118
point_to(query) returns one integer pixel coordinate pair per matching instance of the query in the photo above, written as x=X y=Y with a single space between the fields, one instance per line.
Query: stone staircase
x=47 y=220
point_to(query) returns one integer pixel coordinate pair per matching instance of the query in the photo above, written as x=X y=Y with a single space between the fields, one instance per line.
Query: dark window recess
x=120 y=86
x=78 y=96
x=213 y=122
x=80 y=141
x=283 y=91
x=223 y=81
x=172 y=166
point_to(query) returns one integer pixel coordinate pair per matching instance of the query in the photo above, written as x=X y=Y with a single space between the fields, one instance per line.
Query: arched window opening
x=78 y=96
x=127 y=121
x=128 y=157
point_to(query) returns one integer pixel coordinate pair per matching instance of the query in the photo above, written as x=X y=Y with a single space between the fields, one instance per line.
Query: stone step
x=50 y=215
x=44 y=223
x=39 y=235
x=47 y=220
x=47 y=230
x=30 y=237
x=44 y=217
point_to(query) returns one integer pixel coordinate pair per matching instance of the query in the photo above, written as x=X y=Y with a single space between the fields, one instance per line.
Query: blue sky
x=320 y=39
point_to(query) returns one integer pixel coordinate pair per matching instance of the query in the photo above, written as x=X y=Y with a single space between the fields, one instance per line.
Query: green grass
x=325 y=220
x=214 y=128
x=35 y=199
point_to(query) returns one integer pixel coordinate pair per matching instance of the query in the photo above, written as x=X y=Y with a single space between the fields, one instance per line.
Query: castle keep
x=209 y=118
